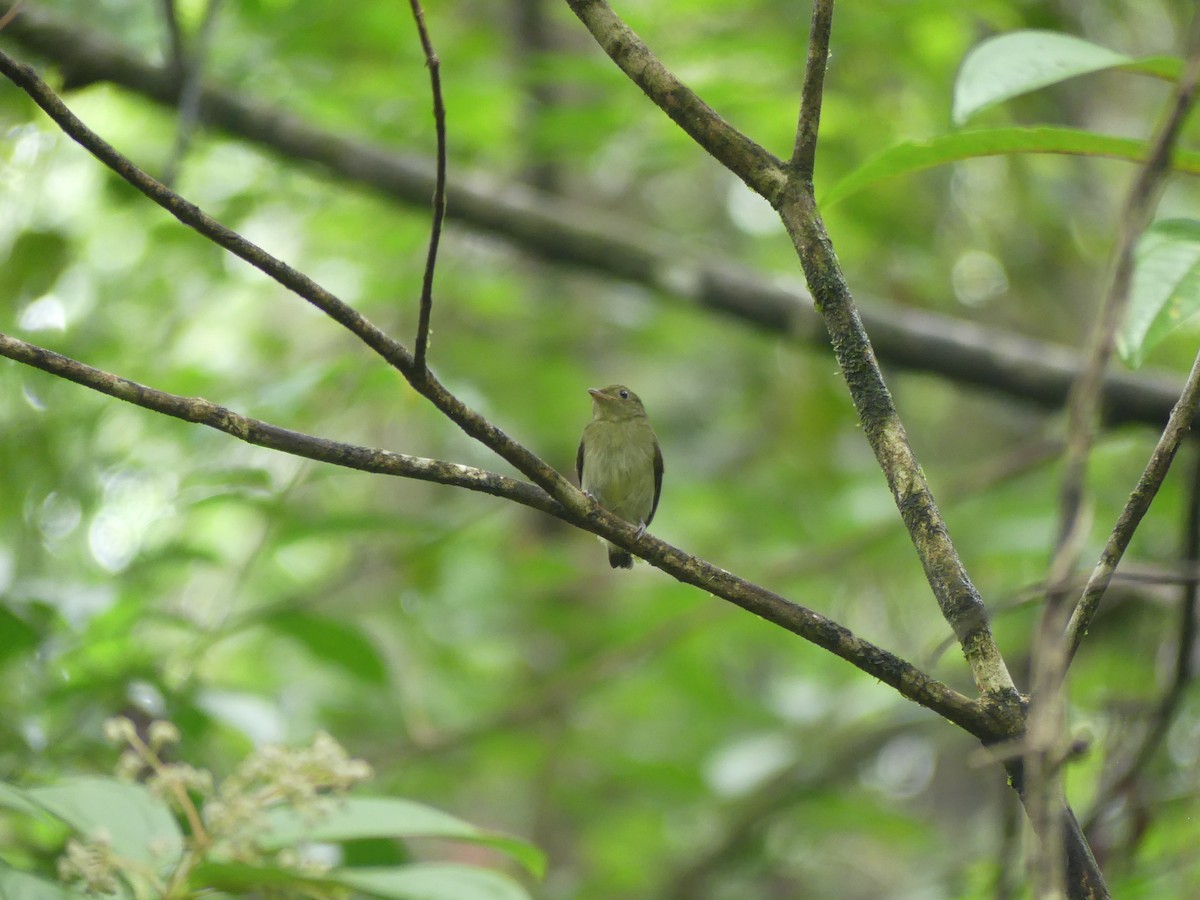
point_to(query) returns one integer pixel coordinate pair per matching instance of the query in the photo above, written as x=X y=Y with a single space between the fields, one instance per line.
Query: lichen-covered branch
x=762 y=171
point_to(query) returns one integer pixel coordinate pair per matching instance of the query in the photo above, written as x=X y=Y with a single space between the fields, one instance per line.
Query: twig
x=1135 y=509
x=10 y=14
x=804 y=153
x=176 y=45
x=264 y=434
x=190 y=68
x=439 y=190
x=1124 y=773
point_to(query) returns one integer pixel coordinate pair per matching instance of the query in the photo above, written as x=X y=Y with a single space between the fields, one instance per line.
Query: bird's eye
x=624 y=395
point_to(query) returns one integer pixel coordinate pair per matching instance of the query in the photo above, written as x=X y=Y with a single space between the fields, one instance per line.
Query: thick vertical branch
x=956 y=595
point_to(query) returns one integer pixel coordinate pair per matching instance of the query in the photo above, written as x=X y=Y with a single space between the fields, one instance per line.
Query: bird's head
x=616 y=402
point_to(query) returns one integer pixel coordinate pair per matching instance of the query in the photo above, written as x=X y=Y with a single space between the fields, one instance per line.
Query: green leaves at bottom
x=355 y=818
x=419 y=881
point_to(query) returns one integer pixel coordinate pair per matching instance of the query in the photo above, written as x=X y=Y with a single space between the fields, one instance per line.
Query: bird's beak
x=596 y=393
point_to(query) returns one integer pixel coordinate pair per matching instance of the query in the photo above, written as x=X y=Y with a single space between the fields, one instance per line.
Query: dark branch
x=439 y=191
x=190 y=68
x=804 y=154
x=1135 y=509
x=263 y=434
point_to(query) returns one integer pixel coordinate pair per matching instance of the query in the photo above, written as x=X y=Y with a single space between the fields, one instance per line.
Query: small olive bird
x=619 y=462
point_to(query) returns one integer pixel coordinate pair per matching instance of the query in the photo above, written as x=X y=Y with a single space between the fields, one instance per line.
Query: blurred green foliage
x=483 y=658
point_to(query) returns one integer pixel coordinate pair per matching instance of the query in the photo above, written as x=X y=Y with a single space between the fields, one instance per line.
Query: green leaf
x=15 y=798
x=34 y=263
x=17 y=885
x=431 y=881
x=139 y=825
x=914 y=156
x=333 y=641
x=356 y=818
x=16 y=635
x=1009 y=65
x=419 y=881
x=228 y=875
x=1166 y=286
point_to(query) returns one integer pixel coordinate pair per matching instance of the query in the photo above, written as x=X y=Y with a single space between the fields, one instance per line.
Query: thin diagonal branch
x=804 y=154
x=760 y=170
x=439 y=190
x=264 y=434
x=1135 y=509
x=1126 y=772
x=189 y=64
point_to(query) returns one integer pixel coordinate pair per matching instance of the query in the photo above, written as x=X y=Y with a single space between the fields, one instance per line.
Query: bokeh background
x=655 y=742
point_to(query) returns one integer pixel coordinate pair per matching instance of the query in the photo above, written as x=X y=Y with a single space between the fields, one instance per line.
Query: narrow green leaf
x=1166 y=286
x=14 y=798
x=334 y=641
x=356 y=818
x=229 y=875
x=431 y=881
x=16 y=634
x=1009 y=65
x=915 y=156
x=419 y=881
x=139 y=825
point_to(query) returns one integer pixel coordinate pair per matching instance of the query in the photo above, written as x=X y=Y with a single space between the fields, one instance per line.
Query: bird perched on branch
x=619 y=462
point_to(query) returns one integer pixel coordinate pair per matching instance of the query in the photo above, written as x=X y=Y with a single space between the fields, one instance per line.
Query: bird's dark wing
x=579 y=466
x=658 y=470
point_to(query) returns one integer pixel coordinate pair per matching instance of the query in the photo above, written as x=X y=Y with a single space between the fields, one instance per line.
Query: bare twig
x=439 y=190
x=176 y=45
x=10 y=14
x=804 y=153
x=264 y=434
x=1135 y=509
x=1125 y=772
x=189 y=64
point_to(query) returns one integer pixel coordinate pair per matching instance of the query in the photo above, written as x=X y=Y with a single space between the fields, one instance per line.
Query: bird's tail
x=618 y=558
